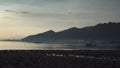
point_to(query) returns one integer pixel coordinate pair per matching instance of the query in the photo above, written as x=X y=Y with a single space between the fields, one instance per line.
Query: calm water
x=9 y=45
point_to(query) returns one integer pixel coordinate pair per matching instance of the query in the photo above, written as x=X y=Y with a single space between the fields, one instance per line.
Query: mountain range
x=102 y=31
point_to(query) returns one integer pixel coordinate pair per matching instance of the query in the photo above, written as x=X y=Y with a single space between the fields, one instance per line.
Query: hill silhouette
x=102 y=31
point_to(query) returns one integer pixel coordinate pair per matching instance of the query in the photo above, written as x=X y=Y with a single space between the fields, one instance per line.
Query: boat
x=90 y=44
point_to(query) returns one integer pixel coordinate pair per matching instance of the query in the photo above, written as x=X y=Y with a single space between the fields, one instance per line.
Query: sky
x=20 y=18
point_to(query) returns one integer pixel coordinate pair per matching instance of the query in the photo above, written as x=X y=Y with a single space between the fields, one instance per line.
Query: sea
x=18 y=45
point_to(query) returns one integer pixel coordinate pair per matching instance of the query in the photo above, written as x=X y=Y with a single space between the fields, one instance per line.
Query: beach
x=60 y=59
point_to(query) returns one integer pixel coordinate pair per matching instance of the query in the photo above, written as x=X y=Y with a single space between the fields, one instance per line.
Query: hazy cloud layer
x=17 y=12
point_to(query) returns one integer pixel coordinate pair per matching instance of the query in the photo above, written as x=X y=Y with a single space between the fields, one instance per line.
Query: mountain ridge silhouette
x=101 y=31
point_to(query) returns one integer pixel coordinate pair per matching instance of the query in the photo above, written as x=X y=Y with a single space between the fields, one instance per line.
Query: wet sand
x=60 y=59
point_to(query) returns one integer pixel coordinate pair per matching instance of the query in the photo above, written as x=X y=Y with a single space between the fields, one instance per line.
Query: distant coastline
x=10 y=40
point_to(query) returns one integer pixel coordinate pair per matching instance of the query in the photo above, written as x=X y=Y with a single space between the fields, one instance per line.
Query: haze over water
x=11 y=45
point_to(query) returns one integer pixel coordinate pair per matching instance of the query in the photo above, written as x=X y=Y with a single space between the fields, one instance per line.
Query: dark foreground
x=60 y=59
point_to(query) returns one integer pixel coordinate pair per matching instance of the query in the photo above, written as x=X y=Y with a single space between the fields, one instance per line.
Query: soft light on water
x=9 y=45
x=13 y=45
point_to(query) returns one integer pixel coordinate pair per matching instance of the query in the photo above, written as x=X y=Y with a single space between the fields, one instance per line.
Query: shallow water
x=13 y=45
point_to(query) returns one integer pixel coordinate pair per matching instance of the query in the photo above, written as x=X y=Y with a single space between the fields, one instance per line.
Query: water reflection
x=9 y=45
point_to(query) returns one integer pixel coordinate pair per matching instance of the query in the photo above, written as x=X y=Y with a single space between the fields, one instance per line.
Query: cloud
x=29 y=14
x=24 y=12
x=17 y=12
